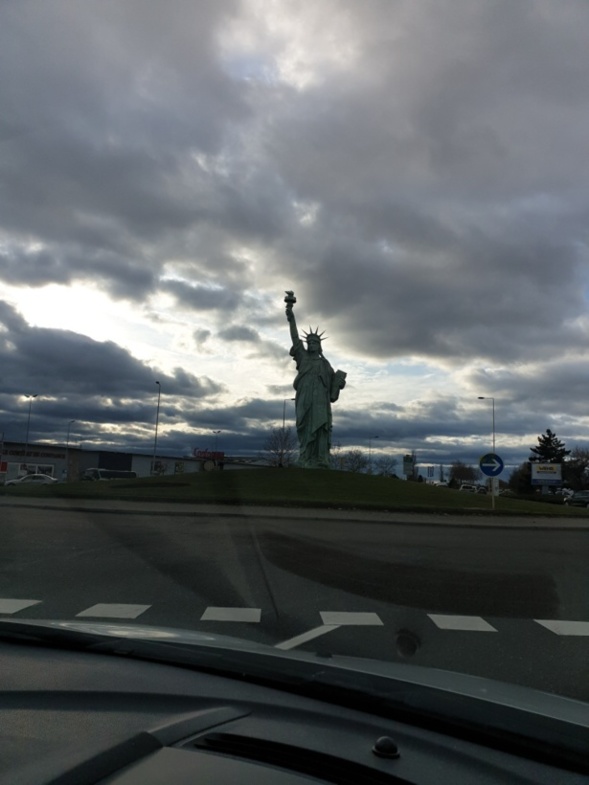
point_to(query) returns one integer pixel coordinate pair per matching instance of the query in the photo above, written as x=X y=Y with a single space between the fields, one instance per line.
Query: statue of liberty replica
x=317 y=386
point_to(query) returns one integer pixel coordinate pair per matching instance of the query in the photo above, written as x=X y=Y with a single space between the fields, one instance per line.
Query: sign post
x=491 y=465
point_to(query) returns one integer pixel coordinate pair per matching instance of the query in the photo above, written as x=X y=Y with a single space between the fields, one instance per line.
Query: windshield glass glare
x=294 y=326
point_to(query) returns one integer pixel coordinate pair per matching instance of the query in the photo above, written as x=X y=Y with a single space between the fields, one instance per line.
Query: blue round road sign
x=491 y=464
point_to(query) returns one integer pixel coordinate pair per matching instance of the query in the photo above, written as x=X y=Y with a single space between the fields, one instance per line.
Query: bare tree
x=280 y=447
x=336 y=457
x=461 y=472
x=386 y=466
x=354 y=461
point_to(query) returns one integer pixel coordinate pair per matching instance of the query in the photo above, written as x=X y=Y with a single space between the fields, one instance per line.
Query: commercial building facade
x=69 y=463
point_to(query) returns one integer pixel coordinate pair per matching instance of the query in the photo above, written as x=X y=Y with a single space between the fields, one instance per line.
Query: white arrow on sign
x=493 y=464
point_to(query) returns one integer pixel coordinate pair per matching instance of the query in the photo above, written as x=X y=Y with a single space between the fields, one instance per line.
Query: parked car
x=578 y=499
x=32 y=479
x=471 y=488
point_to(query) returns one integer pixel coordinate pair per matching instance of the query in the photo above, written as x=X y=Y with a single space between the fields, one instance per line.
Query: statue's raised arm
x=290 y=300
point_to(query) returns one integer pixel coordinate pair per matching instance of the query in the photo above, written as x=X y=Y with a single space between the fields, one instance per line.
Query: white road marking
x=292 y=643
x=232 y=614
x=332 y=620
x=560 y=627
x=355 y=619
x=466 y=623
x=113 y=610
x=14 y=606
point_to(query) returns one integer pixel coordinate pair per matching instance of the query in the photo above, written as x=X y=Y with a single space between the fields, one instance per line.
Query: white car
x=33 y=479
x=467 y=488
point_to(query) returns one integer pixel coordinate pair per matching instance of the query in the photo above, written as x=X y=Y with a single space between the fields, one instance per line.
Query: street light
x=69 y=426
x=157 y=418
x=284 y=411
x=67 y=450
x=370 y=453
x=490 y=398
x=216 y=437
x=30 y=397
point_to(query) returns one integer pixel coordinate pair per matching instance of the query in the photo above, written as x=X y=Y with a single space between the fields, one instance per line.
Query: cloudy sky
x=415 y=170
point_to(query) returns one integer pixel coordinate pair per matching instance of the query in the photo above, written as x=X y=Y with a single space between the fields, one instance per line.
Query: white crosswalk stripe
x=232 y=614
x=331 y=620
x=14 y=606
x=355 y=619
x=463 y=623
x=562 y=627
x=113 y=610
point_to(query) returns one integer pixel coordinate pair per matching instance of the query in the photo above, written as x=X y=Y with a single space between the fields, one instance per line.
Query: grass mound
x=295 y=488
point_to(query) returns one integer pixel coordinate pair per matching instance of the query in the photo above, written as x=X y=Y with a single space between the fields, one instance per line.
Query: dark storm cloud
x=201 y=337
x=452 y=203
x=78 y=378
x=424 y=160
x=202 y=298
x=559 y=384
x=66 y=264
x=98 y=132
x=240 y=333
x=250 y=338
x=487 y=300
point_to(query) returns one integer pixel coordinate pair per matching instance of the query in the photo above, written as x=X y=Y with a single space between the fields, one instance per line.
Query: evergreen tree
x=549 y=449
x=576 y=469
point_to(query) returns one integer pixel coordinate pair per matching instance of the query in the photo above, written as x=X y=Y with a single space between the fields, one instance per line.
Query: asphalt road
x=509 y=602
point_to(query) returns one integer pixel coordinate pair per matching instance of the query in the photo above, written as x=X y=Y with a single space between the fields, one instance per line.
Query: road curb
x=477 y=520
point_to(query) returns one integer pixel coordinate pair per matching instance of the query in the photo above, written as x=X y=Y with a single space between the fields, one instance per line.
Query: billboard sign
x=546 y=473
x=209 y=455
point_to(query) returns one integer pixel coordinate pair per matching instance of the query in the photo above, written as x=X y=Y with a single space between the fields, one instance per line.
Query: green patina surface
x=317 y=386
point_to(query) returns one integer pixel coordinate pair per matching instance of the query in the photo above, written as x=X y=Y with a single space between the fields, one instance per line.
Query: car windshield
x=294 y=325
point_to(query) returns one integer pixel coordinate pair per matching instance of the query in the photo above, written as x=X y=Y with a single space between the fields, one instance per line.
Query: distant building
x=69 y=463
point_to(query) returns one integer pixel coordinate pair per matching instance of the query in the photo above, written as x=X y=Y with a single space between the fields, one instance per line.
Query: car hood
x=340 y=669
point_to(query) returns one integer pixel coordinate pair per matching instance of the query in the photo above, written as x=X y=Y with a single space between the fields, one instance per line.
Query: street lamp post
x=215 y=460
x=283 y=432
x=370 y=453
x=69 y=426
x=490 y=398
x=157 y=418
x=67 y=450
x=30 y=397
x=284 y=412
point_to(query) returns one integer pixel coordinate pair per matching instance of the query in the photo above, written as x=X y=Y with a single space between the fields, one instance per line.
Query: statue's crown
x=314 y=334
